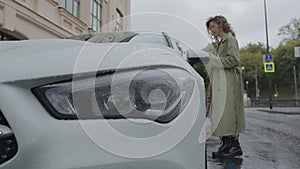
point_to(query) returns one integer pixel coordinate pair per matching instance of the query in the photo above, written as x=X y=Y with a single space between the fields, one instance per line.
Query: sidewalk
x=281 y=110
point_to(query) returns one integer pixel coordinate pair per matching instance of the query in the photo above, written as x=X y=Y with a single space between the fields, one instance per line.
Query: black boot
x=234 y=150
x=224 y=147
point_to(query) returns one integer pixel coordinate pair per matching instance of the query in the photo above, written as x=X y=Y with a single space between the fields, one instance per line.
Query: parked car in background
x=119 y=100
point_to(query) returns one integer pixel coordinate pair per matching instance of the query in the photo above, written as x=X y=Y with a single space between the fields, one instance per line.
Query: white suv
x=113 y=104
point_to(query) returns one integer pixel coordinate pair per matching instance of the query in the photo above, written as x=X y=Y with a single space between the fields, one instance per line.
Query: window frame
x=72 y=6
x=96 y=17
x=119 y=21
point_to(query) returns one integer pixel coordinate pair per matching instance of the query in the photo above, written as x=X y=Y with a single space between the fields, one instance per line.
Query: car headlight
x=153 y=93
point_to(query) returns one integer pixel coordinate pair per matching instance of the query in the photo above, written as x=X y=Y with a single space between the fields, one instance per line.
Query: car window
x=180 y=47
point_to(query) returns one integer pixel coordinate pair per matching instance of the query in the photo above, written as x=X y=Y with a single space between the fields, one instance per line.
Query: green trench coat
x=227 y=109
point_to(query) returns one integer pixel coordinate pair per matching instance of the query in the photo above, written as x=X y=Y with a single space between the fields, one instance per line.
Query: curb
x=280 y=112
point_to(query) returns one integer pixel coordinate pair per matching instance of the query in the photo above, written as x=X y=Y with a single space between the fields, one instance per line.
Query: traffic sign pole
x=270 y=90
x=267 y=38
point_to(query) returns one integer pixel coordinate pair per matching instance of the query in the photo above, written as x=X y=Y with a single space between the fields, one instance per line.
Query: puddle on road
x=232 y=163
x=235 y=163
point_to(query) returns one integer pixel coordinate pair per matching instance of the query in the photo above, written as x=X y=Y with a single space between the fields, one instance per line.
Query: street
x=271 y=141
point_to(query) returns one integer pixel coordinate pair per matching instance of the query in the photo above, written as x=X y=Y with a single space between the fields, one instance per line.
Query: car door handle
x=5 y=131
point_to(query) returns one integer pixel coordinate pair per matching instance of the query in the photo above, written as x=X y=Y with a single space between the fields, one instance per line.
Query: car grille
x=8 y=145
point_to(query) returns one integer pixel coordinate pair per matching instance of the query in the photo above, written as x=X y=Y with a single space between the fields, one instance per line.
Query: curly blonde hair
x=222 y=22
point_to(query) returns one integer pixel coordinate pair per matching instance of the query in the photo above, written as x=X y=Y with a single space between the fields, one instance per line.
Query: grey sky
x=245 y=16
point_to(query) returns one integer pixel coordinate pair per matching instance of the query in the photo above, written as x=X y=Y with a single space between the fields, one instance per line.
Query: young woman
x=226 y=109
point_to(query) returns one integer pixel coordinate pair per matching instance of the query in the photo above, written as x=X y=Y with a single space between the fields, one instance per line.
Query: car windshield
x=146 y=37
x=111 y=37
x=119 y=37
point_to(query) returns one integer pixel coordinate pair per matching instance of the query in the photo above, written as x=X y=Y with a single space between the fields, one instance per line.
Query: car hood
x=31 y=59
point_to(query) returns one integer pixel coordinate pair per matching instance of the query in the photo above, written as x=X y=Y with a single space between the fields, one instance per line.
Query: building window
x=71 y=6
x=118 y=21
x=96 y=14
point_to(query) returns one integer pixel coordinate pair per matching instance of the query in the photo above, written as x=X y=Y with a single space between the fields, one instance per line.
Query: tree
x=254 y=48
x=284 y=60
x=251 y=59
x=290 y=31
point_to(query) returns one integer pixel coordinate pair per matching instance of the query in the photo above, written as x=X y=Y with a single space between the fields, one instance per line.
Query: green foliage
x=251 y=59
x=254 y=48
x=284 y=59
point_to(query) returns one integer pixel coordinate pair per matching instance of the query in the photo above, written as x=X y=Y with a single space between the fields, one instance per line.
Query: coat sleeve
x=231 y=57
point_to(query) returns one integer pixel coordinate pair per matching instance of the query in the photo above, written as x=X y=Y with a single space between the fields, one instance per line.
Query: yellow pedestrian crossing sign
x=269 y=67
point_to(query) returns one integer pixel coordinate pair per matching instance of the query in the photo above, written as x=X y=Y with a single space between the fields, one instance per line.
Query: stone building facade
x=40 y=19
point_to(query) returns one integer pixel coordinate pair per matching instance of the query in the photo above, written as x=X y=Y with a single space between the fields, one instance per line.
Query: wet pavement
x=271 y=141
